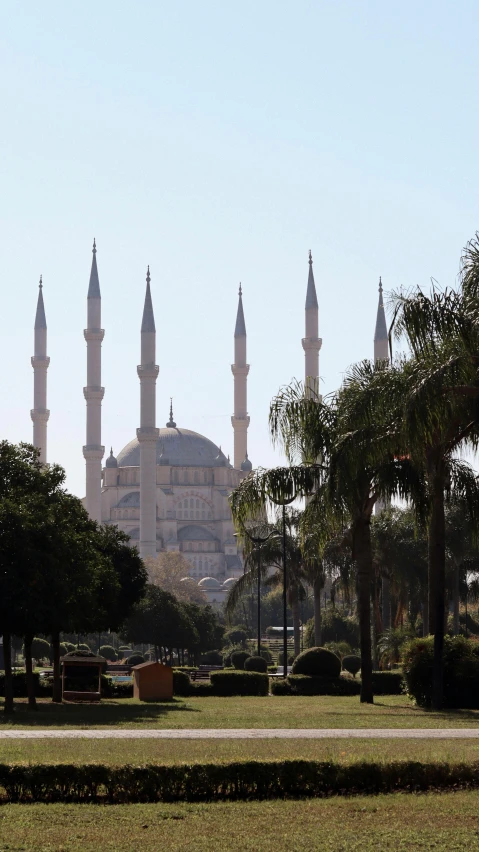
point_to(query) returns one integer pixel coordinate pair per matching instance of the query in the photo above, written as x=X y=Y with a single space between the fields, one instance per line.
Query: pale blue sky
x=218 y=142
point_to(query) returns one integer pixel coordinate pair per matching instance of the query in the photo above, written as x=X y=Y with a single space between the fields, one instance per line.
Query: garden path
x=239 y=733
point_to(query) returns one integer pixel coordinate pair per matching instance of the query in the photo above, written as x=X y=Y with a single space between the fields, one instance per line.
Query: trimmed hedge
x=255 y=664
x=388 y=683
x=317 y=662
x=226 y=683
x=307 y=685
x=226 y=781
x=135 y=660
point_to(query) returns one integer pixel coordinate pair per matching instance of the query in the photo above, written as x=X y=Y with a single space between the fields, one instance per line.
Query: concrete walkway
x=238 y=733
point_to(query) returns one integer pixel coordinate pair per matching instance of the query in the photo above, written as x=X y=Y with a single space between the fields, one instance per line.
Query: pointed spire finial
x=40 y=284
x=148 y=321
x=311 y=297
x=240 y=291
x=240 y=327
x=94 y=285
x=94 y=246
x=310 y=258
x=148 y=279
x=380 y=285
x=171 y=423
x=111 y=452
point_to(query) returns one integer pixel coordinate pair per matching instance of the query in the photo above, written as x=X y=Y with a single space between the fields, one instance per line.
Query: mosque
x=169 y=487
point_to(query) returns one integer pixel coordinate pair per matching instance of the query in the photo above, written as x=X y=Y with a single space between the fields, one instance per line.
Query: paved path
x=239 y=733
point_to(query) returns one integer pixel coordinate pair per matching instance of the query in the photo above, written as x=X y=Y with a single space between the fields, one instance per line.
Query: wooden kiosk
x=81 y=676
x=152 y=682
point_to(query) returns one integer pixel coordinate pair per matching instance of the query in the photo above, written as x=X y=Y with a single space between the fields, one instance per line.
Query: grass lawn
x=389 y=711
x=447 y=822
x=117 y=752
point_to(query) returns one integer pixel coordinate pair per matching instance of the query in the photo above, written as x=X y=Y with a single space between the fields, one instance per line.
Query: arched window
x=200 y=545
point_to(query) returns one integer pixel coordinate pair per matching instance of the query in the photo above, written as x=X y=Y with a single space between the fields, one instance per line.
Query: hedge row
x=384 y=683
x=219 y=782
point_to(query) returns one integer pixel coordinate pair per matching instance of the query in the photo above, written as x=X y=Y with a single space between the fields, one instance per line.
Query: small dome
x=188 y=580
x=246 y=465
x=229 y=583
x=221 y=460
x=209 y=583
x=111 y=460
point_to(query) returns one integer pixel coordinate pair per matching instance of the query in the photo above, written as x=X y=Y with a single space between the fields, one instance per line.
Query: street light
x=258 y=541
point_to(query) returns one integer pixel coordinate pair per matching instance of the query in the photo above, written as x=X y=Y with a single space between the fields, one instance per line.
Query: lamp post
x=258 y=541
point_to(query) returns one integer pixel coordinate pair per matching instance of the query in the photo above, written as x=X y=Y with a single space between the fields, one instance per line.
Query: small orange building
x=152 y=682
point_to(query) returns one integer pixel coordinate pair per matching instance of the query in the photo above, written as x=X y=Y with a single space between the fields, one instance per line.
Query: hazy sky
x=219 y=142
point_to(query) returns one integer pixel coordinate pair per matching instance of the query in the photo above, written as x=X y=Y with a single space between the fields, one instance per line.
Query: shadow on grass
x=106 y=713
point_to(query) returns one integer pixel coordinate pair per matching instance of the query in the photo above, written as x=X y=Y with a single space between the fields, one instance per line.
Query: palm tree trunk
x=7 y=654
x=317 y=588
x=296 y=623
x=364 y=565
x=455 y=598
x=57 y=680
x=437 y=601
x=28 y=639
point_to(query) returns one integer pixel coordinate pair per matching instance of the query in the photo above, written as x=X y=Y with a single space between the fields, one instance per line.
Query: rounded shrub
x=181 y=683
x=83 y=647
x=238 y=659
x=317 y=662
x=266 y=654
x=135 y=660
x=226 y=683
x=352 y=664
x=108 y=652
x=255 y=664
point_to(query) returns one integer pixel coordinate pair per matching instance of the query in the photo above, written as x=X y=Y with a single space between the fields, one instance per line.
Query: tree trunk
x=57 y=680
x=32 y=702
x=425 y=615
x=437 y=599
x=317 y=588
x=455 y=598
x=386 y=602
x=364 y=565
x=7 y=654
x=296 y=623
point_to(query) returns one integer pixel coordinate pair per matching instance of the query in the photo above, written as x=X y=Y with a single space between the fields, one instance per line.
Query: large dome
x=177 y=447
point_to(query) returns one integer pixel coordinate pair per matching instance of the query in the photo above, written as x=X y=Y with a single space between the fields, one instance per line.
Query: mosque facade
x=168 y=489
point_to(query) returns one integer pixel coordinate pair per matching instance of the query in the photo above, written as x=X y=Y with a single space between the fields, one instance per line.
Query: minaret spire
x=240 y=370
x=381 y=348
x=311 y=342
x=148 y=434
x=93 y=392
x=171 y=423
x=40 y=362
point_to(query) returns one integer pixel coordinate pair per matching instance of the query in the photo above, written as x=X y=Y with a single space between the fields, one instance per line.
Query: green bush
x=20 y=684
x=41 y=649
x=335 y=627
x=108 y=652
x=243 y=780
x=236 y=636
x=352 y=664
x=388 y=683
x=82 y=647
x=239 y=683
x=281 y=686
x=461 y=671
x=135 y=660
x=341 y=649
x=317 y=662
x=201 y=688
x=238 y=659
x=255 y=664
x=181 y=683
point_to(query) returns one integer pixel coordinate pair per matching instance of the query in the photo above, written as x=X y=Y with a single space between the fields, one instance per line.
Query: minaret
x=148 y=434
x=381 y=348
x=311 y=342
x=40 y=362
x=240 y=370
x=93 y=393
